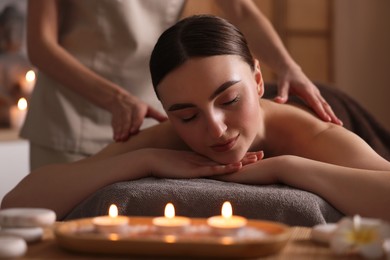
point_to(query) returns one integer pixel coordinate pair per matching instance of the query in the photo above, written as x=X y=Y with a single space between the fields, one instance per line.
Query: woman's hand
x=128 y=113
x=300 y=85
x=252 y=157
x=184 y=164
x=264 y=171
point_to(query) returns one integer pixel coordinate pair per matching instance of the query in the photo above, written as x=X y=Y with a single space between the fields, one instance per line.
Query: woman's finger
x=252 y=157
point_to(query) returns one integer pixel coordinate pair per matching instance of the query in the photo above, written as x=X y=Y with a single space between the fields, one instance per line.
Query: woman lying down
x=219 y=127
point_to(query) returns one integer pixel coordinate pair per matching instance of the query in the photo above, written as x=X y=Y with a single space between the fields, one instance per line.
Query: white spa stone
x=12 y=247
x=26 y=217
x=31 y=234
x=323 y=232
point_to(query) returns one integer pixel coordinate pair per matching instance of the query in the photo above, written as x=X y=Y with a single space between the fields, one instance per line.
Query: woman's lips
x=225 y=146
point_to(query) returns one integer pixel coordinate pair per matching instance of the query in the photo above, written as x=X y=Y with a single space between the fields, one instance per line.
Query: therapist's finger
x=283 y=91
x=155 y=114
x=137 y=118
x=322 y=108
x=329 y=111
x=121 y=126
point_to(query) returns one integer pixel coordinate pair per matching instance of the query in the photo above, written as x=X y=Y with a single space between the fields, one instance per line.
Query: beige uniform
x=113 y=38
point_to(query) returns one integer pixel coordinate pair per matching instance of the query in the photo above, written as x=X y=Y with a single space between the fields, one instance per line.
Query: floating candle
x=226 y=224
x=170 y=223
x=28 y=82
x=111 y=223
x=18 y=113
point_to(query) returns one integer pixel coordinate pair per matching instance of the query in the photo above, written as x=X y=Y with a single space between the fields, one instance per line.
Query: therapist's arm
x=268 y=47
x=51 y=58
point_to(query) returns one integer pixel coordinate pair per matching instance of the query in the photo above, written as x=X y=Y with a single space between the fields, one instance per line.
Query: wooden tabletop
x=299 y=246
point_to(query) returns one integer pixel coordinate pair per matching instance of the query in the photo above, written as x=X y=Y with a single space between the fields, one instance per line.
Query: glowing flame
x=169 y=211
x=113 y=211
x=30 y=76
x=22 y=104
x=227 y=211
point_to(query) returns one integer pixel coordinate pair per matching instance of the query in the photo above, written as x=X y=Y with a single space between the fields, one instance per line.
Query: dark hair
x=196 y=36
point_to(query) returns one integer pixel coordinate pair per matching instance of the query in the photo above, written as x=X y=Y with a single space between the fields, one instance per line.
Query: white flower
x=386 y=247
x=362 y=235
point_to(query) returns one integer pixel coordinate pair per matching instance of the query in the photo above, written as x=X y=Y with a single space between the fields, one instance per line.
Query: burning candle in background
x=170 y=224
x=227 y=223
x=111 y=223
x=28 y=82
x=18 y=113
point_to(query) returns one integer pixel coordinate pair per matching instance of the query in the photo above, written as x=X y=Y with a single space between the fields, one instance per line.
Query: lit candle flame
x=227 y=211
x=169 y=211
x=30 y=76
x=22 y=104
x=113 y=211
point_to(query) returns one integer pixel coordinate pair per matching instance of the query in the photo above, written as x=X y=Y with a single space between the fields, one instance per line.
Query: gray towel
x=204 y=198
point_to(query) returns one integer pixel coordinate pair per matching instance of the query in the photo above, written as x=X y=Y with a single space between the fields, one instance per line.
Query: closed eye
x=188 y=119
x=234 y=100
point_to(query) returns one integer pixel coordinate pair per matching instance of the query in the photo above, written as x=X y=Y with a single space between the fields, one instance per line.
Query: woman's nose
x=216 y=125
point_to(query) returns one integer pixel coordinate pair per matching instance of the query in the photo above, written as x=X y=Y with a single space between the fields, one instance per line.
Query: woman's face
x=213 y=104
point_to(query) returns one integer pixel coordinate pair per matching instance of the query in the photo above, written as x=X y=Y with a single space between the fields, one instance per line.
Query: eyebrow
x=219 y=90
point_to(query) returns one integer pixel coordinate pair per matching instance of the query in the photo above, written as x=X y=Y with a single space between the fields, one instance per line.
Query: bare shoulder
x=291 y=124
x=158 y=136
x=307 y=136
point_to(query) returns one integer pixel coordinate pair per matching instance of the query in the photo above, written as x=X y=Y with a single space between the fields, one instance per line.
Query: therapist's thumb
x=154 y=113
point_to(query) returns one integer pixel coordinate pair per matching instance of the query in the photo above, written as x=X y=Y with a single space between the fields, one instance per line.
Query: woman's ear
x=258 y=78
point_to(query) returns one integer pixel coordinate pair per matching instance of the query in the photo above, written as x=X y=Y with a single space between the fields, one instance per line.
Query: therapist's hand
x=128 y=113
x=294 y=81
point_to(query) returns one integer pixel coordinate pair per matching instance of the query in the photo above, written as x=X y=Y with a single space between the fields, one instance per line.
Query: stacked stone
x=21 y=226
